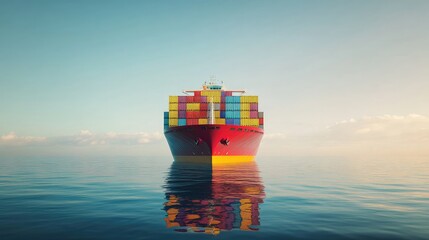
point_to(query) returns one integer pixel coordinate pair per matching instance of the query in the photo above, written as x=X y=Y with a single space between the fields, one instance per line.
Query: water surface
x=155 y=198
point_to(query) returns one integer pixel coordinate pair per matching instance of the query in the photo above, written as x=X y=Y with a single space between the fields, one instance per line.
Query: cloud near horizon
x=12 y=138
x=385 y=134
x=410 y=127
x=84 y=138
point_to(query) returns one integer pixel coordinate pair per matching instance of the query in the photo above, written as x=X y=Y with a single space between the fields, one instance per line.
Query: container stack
x=228 y=109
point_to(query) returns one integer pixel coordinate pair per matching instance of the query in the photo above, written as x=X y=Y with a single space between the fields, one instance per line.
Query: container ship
x=213 y=125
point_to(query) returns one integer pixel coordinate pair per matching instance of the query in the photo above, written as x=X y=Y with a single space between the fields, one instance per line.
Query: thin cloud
x=278 y=135
x=12 y=139
x=410 y=127
x=393 y=135
x=375 y=135
x=84 y=138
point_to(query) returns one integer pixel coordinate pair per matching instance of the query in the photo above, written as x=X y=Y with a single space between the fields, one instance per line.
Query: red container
x=182 y=99
x=203 y=106
x=253 y=107
x=261 y=121
x=197 y=99
x=182 y=106
x=192 y=114
x=189 y=99
x=222 y=106
x=188 y=114
x=197 y=93
x=228 y=93
x=253 y=114
x=191 y=121
x=203 y=114
x=203 y=99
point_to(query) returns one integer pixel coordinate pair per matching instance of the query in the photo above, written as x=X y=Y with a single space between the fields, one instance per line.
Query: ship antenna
x=212 y=78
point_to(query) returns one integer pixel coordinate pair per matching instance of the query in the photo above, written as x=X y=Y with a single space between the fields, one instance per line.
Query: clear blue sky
x=108 y=66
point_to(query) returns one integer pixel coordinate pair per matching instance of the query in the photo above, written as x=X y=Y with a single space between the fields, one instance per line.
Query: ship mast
x=211 y=112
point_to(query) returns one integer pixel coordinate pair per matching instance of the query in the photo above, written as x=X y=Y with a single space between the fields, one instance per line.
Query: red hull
x=213 y=140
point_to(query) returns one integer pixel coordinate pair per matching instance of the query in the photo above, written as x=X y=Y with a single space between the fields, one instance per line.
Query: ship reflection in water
x=209 y=198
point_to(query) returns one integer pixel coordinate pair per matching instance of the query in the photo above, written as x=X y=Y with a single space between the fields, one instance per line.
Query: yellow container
x=192 y=106
x=244 y=122
x=173 y=114
x=245 y=114
x=220 y=120
x=249 y=99
x=217 y=114
x=244 y=99
x=173 y=99
x=216 y=99
x=202 y=121
x=245 y=106
x=173 y=106
x=254 y=122
x=211 y=93
x=173 y=122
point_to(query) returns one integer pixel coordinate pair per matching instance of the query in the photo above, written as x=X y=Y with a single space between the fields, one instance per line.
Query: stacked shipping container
x=228 y=109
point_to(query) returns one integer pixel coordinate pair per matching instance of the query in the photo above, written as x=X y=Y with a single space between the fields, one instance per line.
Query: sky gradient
x=103 y=70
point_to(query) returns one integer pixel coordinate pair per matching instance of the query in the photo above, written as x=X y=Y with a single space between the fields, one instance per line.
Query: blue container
x=165 y=115
x=229 y=114
x=228 y=106
x=222 y=114
x=236 y=121
x=237 y=99
x=182 y=122
x=229 y=121
x=236 y=114
x=229 y=99
x=166 y=121
x=237 y=107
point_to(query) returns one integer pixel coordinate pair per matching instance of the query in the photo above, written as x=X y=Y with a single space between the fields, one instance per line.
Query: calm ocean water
x=272 y=198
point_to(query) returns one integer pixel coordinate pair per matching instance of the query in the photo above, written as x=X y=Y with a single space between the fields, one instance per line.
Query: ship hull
x=214 y=143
